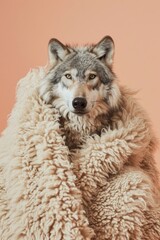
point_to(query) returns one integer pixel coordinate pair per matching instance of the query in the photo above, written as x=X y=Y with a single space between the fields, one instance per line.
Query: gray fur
x=81 y=59
x=83 y=62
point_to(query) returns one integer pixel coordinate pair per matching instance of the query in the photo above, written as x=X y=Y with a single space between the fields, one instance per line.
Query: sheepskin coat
x=38 y=196
x=57 y=181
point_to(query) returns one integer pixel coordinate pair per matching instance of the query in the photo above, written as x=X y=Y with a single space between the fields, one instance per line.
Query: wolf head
x=80 y=80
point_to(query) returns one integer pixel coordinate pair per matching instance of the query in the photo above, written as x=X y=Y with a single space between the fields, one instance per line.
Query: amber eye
x=68 y=76
x=92 y=76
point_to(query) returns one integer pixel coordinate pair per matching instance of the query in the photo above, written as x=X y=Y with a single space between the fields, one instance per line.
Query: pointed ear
x=57 y=51
x=105 y=50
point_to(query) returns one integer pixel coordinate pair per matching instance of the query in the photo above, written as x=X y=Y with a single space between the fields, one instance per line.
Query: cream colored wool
x=49 y=191
x=38 y=196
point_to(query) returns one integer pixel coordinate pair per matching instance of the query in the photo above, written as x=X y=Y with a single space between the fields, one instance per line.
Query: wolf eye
x=92 y=76
x=68 y=76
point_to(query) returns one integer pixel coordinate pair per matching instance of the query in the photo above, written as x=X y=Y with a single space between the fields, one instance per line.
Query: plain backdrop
x=27 y=26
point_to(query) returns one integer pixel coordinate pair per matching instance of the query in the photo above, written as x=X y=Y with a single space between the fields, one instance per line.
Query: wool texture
x=107 y=188
x=38 y=196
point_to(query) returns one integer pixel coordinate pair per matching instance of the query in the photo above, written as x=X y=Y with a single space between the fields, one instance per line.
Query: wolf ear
x=105 y=50
x=57 y=51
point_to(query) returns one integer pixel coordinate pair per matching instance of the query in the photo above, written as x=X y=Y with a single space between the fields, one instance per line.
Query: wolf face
x=80 y=80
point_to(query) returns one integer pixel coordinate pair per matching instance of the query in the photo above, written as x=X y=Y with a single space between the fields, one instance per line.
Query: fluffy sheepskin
x=107 y=189
x=38 y=196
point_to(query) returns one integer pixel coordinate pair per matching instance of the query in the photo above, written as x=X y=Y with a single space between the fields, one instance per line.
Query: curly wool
x=118 y=178
x=38 y=195
x=50 y=188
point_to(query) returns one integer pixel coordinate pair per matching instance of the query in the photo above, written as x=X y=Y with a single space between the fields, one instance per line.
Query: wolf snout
x=79 y=103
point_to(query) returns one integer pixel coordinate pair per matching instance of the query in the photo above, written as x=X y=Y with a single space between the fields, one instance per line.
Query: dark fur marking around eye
x=56 y=77
x=55 y=80
x=105 y=78
x=105 y=74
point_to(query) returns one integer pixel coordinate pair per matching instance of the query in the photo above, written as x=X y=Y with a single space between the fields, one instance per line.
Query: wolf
x=110 y=139
x=82 y=85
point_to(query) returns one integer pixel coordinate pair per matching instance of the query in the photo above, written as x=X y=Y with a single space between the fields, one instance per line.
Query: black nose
x=79 y=103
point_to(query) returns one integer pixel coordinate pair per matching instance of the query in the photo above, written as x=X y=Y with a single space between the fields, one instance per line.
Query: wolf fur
x=76 y=120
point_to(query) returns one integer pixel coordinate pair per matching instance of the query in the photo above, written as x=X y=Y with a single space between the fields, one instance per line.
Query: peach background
x=27 y=26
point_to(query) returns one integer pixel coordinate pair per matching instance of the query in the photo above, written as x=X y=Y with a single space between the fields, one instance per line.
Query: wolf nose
x=79 y=103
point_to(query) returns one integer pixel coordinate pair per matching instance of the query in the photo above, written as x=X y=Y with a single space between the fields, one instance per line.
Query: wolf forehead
x=96 y=58
x=81 y=61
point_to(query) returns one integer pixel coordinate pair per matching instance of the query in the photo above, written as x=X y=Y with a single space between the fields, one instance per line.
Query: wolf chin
x=110 y=139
